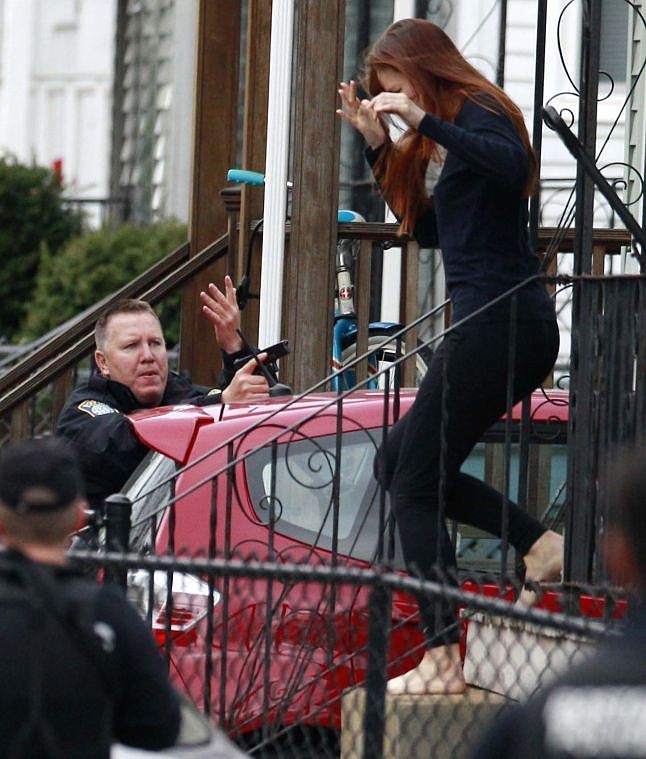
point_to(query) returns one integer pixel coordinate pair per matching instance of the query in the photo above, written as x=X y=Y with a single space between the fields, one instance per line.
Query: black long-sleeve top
x=479 y=216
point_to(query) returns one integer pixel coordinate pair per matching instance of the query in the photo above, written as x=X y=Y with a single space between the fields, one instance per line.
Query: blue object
x=345 y=217
x=242 y=176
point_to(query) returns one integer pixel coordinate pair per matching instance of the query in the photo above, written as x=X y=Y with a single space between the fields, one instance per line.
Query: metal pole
x=118 y=509
x=537 y=123
x=374 y=715
x=502 y=44
x=581 y=487
x=273 y=249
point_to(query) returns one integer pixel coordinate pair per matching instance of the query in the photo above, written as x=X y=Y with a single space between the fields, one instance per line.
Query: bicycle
x=381 y=354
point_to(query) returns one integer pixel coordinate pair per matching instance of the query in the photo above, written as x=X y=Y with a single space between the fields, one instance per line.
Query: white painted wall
x=56 y=63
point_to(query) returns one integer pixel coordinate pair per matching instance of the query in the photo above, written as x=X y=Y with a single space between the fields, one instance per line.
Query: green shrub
x=94 y=265
x=33 y=219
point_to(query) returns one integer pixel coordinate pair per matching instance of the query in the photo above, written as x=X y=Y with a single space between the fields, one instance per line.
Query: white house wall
x=55 y=87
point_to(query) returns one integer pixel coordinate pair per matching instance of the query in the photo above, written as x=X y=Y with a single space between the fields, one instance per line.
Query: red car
x=259 y=482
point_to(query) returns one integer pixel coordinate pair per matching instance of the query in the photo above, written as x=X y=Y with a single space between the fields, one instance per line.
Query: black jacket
x=94 y=421
x=79 y=667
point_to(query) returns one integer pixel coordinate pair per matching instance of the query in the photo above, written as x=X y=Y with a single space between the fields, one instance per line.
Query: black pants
x=463 y=393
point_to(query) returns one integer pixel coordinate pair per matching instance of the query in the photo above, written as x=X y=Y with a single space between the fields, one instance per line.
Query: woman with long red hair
x=458 y=178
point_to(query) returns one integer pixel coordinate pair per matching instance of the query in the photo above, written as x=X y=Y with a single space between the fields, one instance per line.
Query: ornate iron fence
x=269 y=569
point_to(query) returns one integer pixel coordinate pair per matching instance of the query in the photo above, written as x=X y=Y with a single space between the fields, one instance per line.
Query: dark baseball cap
x=39 y=475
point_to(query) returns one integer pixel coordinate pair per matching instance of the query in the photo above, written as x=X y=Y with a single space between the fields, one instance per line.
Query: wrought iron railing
x=274 y=651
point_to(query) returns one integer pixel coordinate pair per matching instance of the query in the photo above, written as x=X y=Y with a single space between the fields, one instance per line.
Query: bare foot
x=439 y=672
x=543 y=563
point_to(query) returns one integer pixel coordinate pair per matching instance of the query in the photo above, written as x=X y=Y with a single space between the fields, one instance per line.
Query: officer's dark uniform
x=94 y=421
x=78 y=668
x=595 y=710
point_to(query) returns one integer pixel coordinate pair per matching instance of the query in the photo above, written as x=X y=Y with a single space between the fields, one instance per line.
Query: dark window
x=614 y=39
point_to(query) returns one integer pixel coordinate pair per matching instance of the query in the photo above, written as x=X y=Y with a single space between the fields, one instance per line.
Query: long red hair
x=443 y=78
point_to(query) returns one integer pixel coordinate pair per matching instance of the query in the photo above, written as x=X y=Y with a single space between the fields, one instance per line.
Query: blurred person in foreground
x=597 y=708
x=79 y=667
x=132 y=373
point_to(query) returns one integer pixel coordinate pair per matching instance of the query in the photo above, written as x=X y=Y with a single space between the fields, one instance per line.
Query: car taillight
x=189 y=603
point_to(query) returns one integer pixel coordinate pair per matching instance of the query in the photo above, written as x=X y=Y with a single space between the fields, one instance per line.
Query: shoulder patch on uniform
x=96 y=408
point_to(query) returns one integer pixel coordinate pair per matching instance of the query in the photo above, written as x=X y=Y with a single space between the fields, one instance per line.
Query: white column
x=16 y=67
x=391 y=272
x=273 y=248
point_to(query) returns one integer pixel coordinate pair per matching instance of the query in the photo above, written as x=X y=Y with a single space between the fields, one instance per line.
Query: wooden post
x=19 y=426
x=362 y=270
x=62 y=387
x=231 y=201
x=310 y=263
x=409 y=307
x=214 y=151
x=254 y=145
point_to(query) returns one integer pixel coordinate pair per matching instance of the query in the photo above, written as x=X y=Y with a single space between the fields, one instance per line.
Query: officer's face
x=135 y=355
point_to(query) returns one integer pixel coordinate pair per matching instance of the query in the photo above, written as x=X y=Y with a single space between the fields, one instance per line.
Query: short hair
x=40 y=485
x=127 y=306
x=627 y=510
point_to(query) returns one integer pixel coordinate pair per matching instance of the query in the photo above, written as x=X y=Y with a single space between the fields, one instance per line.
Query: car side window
x=301 y=477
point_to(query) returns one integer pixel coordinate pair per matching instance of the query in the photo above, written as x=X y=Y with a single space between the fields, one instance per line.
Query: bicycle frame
x=345 y=317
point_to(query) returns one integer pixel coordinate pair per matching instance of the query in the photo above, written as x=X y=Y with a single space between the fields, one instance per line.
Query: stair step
x=442 y=727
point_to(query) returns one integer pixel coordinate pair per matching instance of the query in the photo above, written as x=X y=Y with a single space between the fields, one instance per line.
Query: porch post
x=310 y=263
x=214 y=151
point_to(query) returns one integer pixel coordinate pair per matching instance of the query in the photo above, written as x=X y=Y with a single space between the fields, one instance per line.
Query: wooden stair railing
x=85 y=321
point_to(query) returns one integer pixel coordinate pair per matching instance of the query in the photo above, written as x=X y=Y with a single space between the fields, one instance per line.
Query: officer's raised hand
x=221 y=309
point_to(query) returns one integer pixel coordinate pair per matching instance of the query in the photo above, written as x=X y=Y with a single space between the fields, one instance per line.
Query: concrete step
x=514 y=658
x=442 y=727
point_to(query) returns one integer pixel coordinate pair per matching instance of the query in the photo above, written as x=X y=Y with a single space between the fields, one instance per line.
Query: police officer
x=78 y=668
x=597 y=708
x=132 y=373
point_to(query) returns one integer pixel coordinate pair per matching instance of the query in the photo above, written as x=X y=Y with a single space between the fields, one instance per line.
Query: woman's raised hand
x=360 y=115
x=399 y=103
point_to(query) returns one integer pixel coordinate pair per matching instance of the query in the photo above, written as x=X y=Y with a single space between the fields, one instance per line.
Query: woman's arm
x=487 y=142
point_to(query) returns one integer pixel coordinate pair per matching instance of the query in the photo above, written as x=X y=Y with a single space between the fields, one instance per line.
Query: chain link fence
x=291 y=660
